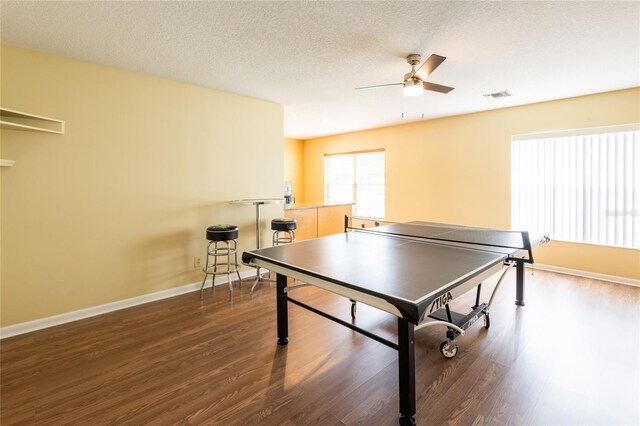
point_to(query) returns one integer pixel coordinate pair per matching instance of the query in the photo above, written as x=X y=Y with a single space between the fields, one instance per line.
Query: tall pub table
x=258 y=202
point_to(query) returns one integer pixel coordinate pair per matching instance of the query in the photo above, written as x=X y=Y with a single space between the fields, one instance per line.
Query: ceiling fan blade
x=436 y=87
x=429 y=66
x=379 y=85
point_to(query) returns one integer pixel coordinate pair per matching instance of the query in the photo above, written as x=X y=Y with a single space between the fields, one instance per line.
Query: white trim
x=587 y=274
x=29 y=326
x=633 y=127
x=595 y=244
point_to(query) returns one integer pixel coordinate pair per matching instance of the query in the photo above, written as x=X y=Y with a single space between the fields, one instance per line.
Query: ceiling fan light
x=412 y=88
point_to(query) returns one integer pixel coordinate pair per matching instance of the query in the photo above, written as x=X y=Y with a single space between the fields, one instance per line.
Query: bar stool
x=283 y=233
x=284 y=230
x=222 y=243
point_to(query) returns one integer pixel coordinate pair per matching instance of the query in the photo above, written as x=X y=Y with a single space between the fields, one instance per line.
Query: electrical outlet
x=196 y=262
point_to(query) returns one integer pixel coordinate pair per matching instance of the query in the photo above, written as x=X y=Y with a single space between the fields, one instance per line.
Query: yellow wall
x=294 y=166
x=118 y=206
x=457 y=169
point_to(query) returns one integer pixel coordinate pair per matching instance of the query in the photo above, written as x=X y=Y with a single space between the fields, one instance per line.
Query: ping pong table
x=412 y=270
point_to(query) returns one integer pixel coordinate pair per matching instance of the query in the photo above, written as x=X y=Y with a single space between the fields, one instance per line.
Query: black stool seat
x=284 y=224
x=222 y=232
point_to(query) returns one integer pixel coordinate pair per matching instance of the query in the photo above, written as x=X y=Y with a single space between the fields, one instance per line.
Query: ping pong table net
x=516 y=244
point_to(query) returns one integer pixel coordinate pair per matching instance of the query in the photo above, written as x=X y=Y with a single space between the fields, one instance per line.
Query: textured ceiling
x=309 y=56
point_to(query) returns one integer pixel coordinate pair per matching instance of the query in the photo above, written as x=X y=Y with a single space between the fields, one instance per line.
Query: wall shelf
x=6 y=163
x=16 y=120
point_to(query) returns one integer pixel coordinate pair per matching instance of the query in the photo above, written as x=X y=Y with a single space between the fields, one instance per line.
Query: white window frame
x=356 y=184
x=580 y=186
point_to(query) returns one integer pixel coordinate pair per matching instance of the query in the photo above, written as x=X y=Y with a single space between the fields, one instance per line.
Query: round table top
x=258 y=201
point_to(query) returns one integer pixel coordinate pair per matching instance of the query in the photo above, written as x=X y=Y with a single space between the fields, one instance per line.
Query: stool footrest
x=221 y=270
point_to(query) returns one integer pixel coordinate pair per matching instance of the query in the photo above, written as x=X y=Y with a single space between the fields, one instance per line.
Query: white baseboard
x=586 y=274
x=27 y=327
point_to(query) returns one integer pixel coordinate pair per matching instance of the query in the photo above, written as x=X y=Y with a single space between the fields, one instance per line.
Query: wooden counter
x=318 y=220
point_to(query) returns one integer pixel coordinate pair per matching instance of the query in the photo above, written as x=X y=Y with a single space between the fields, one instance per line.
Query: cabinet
x=318 y=221
x=331 y=219
x=307 y=218
x=16 y=120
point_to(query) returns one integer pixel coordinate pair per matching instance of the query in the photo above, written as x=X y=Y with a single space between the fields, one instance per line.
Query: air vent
x=503 y=94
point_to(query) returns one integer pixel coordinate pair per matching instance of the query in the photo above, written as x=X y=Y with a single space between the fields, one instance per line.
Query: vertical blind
x=580 y=186
x=356 y=177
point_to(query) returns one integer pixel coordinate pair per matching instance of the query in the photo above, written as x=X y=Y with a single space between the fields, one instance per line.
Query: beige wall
x=457 y=169
x=118 y=206
x=294 y=166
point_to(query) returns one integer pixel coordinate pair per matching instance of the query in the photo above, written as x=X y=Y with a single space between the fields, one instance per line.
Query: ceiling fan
x=414 y=83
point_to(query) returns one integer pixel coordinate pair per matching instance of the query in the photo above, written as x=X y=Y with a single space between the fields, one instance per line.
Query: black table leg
x=407 y=372
x=519 y=283
x=282 y=309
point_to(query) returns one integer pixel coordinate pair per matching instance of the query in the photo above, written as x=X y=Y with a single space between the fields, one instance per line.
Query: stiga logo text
x=441 y=301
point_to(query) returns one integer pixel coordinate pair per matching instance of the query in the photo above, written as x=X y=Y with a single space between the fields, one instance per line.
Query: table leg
x=407 y=372
x=258 y=277
x=282 y=309
x=257 y=226
x=519 y=283
x=257 y=242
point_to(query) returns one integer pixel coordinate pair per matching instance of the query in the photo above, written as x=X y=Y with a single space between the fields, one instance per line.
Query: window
x=356 y=177
x=580 y=186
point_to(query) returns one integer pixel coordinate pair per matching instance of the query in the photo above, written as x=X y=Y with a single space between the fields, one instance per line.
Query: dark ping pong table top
x=408 y=273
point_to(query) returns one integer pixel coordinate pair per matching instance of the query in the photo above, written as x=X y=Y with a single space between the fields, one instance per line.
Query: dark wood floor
x=571 y=356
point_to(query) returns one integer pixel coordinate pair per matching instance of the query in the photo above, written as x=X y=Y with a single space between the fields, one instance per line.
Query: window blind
x=356 y=177
x=579 y=186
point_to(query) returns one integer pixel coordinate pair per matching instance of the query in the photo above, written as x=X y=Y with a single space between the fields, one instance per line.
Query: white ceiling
x=309 y=56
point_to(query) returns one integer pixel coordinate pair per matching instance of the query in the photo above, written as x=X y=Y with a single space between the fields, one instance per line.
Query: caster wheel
x=449 y=349
x=487 y=321
x=353 y=309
